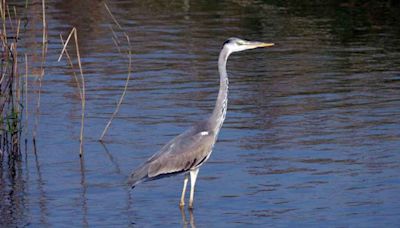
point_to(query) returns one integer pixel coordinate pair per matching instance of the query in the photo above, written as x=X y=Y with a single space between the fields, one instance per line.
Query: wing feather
x=181 y=154
x=184 y=152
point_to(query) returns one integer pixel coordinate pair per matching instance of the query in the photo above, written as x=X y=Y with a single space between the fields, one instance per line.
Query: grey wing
x=184 y=152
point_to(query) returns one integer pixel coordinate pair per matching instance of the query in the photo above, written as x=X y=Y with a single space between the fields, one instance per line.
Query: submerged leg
x=193 y=177
x=182 y=203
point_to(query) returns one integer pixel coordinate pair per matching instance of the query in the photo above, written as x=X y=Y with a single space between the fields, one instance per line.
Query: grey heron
x=189 y=150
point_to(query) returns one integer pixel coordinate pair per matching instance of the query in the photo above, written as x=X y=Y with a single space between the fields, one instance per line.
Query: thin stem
x=72 y=67
x=82 y=94
x=44 y=51
x=26 y=90
x=65 y=44
x=127 y=78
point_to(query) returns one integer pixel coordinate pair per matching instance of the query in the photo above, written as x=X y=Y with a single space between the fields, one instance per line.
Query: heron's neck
x=218 y=116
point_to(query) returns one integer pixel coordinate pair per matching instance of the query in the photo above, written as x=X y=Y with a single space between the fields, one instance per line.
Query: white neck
x=218 y=116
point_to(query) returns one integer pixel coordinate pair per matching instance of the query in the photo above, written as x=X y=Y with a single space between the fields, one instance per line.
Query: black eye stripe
x=235 y=40
x=226 y=41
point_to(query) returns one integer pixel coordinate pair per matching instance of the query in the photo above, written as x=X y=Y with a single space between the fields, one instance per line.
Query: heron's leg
x=182 y=203
x=193 y=177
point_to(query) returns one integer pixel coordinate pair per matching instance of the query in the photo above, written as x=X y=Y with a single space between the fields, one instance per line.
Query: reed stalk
x=129 y=54
x=72 y=67
x=82 y=89
x=26 y=91
x=42 y=71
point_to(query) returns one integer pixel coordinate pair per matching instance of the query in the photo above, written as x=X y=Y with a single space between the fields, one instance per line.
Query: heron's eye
x=239 y=42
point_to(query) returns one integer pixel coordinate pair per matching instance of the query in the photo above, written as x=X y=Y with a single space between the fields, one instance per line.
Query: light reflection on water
x=311 y=135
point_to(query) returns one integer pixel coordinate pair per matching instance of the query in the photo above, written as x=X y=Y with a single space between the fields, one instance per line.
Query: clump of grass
x=11 y=103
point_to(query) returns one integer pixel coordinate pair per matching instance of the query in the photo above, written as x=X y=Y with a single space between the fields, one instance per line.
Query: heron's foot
x=181 y=204
x=191 y=207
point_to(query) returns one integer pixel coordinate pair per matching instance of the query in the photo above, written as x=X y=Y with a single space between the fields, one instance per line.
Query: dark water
x=312 y=134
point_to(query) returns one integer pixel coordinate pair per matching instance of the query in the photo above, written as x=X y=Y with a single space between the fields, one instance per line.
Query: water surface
x=312 y=130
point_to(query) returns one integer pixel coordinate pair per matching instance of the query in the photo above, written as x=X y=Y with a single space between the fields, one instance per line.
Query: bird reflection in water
x=191 y=218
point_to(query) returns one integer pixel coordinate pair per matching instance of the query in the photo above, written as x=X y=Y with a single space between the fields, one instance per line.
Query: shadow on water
x=42 y=194
x=118 y=171
x=11 y=184
x=84 y=192
x=312 y=129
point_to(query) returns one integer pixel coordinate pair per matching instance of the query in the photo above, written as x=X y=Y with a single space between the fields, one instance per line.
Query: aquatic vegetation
x=11 y=88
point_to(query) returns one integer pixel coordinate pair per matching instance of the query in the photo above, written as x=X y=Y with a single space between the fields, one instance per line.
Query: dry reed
x=82 y=89
x=72 y=67
x=42 y=72
x=26 y=90
x=115 y=40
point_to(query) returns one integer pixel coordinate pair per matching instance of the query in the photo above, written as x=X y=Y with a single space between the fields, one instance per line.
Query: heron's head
x=235 y=44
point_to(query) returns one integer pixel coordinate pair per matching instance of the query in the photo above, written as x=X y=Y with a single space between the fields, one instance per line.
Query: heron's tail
x=138 y=175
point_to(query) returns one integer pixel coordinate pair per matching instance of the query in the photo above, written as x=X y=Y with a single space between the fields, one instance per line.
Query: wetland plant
x=11 y=98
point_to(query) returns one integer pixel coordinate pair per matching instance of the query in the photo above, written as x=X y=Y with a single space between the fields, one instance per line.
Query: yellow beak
x=259 y=44
x=266 y=44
